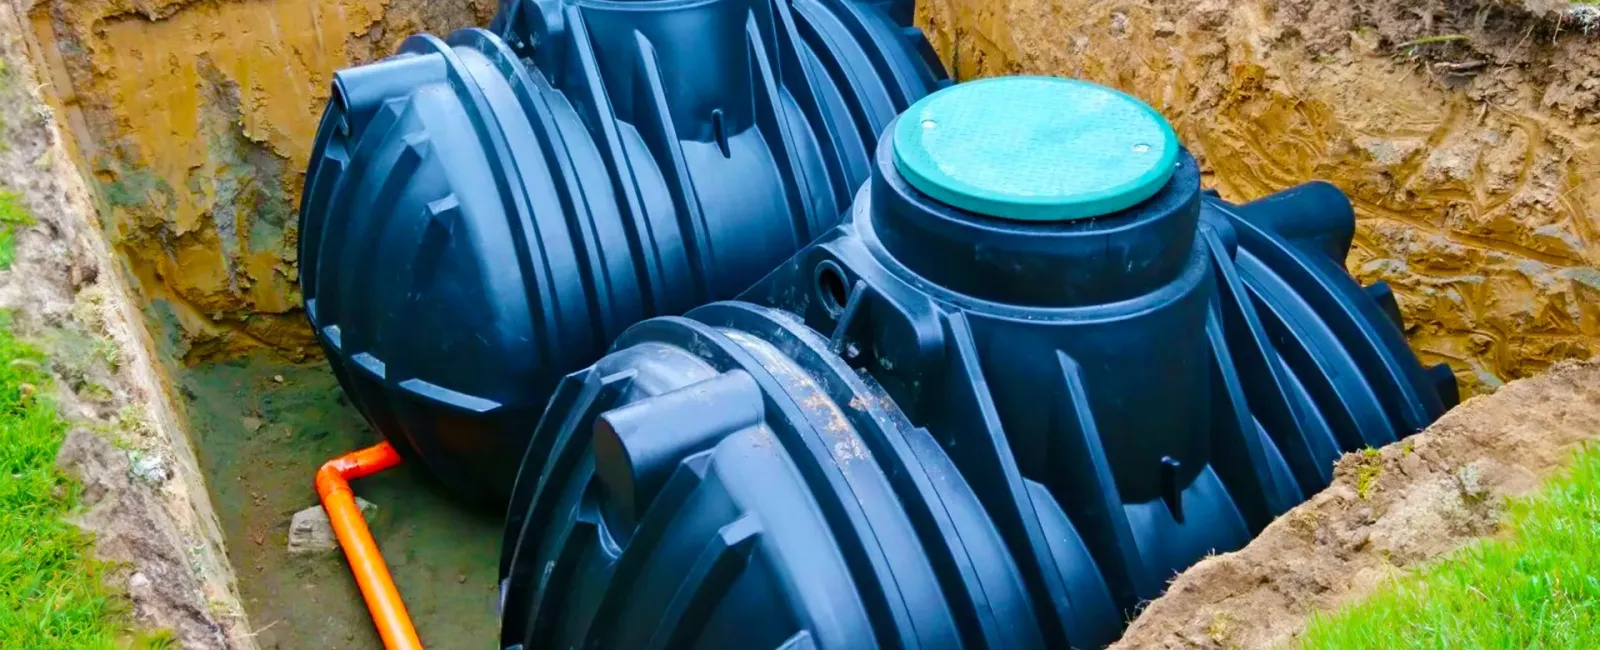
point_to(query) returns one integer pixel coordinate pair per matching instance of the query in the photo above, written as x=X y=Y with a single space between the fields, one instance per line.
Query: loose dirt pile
x=1466 y=131
x=144 y=501
x=1386 y=512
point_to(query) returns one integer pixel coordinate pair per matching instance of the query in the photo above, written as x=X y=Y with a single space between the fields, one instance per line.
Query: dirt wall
x=195 y=119
x=1467 y=132
x=141 y=494
x=1388 y=512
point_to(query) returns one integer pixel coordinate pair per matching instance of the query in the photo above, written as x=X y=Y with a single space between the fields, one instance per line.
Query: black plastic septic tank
x=1037 y=372
x=483 y=214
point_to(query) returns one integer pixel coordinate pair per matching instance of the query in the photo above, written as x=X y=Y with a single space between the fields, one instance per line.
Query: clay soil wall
x=194 y=120
x=1467 y=132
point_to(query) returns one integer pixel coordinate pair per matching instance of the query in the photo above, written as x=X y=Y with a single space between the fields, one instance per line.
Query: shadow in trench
x=261 y=427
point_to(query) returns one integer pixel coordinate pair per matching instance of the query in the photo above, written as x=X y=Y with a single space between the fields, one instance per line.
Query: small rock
x=148 y=467
x=1469 y=481
x=277 y=378
x=310 y=531
x=251 y=424
x=1411 y=465
x=1119 y=23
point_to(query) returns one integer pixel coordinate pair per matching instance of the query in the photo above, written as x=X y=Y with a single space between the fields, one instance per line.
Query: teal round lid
x=1035 y=148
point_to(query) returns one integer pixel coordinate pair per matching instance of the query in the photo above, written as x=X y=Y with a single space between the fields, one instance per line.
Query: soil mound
x=1386 y=511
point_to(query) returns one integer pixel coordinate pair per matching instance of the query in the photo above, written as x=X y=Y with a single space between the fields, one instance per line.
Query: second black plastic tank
x=1035 y=374
x=483 y=215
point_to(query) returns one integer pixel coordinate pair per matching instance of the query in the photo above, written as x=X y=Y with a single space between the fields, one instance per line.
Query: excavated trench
x=192 y=122
x=259 y=441
x=1466 y=131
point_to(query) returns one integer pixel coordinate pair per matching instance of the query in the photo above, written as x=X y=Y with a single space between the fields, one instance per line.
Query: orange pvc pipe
x=372 y=575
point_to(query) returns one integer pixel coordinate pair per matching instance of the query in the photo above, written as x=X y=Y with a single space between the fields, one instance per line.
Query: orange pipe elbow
x=372 y=574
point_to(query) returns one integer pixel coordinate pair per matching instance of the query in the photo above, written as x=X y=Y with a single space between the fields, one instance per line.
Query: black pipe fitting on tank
x=484 y=215
x=1036 y=373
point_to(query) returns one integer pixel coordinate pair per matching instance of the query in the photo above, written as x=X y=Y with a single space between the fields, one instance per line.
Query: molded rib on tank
x=1039 y=437
x=705 y=489
x=474 y=228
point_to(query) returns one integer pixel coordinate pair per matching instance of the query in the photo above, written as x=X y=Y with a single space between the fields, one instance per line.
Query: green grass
x=51 y=592
x=1538 y=587
x=1368 y=472
x=12 y=216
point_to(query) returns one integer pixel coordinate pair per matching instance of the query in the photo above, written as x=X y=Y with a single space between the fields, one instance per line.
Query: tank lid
x=1035 y=148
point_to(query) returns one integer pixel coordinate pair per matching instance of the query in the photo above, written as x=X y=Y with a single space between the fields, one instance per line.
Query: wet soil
x=260 y=441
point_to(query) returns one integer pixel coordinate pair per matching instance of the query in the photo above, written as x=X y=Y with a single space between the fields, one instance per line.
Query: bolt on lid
x=1035 y=148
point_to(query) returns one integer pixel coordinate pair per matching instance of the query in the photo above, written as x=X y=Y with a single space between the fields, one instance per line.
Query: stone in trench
x=149 y=467
x=311 y=532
